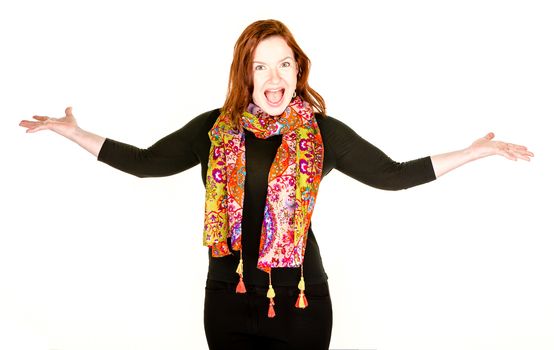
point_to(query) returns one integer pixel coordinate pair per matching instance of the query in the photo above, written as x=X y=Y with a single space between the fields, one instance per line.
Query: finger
x=69 y=110
x=522 y=156
x=41 y=118
x=33 y=126
x=489 y=136
x=519 y=147
x=525 y=154
x=28 y=123
x=31 y=130
x=507 y=154
x=36 y=128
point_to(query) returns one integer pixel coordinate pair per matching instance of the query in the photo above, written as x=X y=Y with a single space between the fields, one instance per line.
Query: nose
x=274 y=77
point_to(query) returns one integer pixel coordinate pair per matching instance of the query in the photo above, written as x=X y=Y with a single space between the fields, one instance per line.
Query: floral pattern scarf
x=293 y=183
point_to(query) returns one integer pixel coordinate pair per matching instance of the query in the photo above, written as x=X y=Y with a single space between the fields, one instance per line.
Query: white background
x=92 y=258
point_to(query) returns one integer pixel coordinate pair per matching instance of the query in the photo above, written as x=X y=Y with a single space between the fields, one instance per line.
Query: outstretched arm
x=354 y=156
x=482 y=147
x=170 y=155
x=66 y=126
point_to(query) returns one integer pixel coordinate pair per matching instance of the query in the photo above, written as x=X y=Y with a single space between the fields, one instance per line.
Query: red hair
x=239 y=93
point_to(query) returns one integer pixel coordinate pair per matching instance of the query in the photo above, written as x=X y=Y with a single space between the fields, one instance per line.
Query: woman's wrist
x=89 y=141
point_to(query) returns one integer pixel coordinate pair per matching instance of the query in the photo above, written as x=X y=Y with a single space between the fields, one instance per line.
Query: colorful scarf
x=293 y=182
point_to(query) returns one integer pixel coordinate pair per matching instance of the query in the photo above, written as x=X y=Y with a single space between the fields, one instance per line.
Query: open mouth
x=274 y=97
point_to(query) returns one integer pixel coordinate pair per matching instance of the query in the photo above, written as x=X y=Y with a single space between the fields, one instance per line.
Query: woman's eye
x=285 y=64
x=259 y=67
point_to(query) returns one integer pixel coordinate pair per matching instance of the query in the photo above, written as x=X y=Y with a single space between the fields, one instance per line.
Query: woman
x=263 y=155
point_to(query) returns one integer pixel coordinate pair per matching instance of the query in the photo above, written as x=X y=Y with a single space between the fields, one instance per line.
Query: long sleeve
x=170 y=155
x=366 y=163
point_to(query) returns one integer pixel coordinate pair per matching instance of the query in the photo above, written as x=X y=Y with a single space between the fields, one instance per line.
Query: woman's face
x=275 y=73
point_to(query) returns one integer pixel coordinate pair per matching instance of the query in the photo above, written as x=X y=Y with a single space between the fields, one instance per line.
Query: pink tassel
x=271 y=311
x=241 y=288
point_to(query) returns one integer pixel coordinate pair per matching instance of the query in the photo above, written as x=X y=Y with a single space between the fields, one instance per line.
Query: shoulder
x=197 y=128
x=204 y=121
x=331 y=126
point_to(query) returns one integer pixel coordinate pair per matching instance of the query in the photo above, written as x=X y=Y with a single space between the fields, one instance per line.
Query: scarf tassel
x=271 y=311
x=302 y=301
x=270 y=295
x=241 y=288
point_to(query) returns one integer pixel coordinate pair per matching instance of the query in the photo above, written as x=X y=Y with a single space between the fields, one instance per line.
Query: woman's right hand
x=63 y=126
x=66 y=126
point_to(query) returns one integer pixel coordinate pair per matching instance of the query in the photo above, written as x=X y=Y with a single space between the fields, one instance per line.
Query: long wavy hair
x=239 y=91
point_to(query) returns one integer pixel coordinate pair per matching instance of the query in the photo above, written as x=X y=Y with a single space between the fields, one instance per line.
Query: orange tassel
x=241 y=288
x=301 y=302
x=271 y=311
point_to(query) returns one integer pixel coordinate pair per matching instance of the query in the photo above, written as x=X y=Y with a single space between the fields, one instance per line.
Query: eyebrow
x=284 y=59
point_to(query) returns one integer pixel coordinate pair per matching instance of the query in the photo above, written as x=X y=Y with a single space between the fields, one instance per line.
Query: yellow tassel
x=239 y=267
x=271 y=292
x=301 y=284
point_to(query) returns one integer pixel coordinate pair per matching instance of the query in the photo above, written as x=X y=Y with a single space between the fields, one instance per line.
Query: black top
x=345 y=151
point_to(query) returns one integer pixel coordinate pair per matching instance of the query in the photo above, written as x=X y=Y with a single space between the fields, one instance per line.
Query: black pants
x=239 y=321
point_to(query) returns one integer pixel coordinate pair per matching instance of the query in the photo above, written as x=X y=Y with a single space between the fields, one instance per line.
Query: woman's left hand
x=485 y=146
